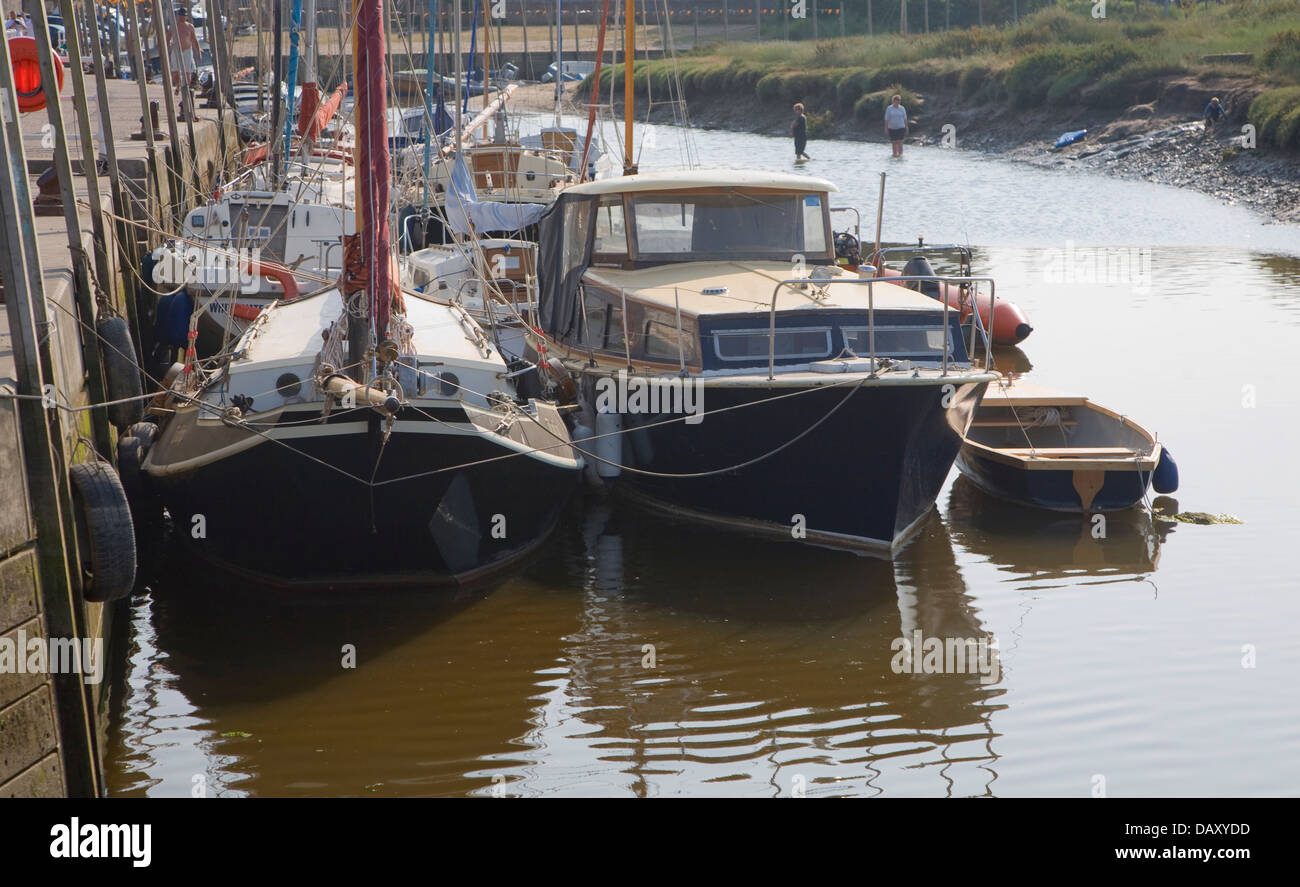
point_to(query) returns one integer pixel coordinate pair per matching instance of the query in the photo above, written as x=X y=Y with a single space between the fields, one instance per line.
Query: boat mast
x=595 y=90
x=629 y=99
x=295 y=27
x=277 y=94
x=308 y=71
x=430 y=114
x=261 y=68
x=456 y=25
x=373 y=171
x=559 y=60
x=309 y=51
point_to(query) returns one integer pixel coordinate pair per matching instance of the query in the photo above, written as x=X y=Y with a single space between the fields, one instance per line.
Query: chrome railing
x=485 y=295
x=857 y=216
x=921 y=247
x=977 y=323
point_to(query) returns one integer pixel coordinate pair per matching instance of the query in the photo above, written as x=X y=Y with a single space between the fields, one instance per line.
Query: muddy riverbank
x=1161 y=141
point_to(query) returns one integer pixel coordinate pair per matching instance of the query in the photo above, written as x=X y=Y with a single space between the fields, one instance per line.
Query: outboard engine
x=919 y=266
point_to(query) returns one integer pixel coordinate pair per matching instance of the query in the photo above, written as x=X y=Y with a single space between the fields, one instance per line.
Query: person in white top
x=896 y=124
x=15 y=26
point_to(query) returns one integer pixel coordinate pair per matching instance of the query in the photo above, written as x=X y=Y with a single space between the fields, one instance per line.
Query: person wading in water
x=800 y=130
x=896 y=124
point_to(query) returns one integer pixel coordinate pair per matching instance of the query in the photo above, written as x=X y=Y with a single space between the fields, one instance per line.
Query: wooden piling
x=104 y=438
x=122 y=237
x=49 y=726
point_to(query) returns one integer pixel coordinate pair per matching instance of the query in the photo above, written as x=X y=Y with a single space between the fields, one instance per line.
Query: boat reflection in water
x=1050 y=545
x=285 y=694
x=632 y=656
x=709 y=662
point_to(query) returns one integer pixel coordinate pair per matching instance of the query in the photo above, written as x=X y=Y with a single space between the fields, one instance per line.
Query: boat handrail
x=964 y=251
x=681 y=351
x=627 y=346
x=405 y=234
x=857 y=224
x=977 y=322
x=488 y=300
x=228 y=186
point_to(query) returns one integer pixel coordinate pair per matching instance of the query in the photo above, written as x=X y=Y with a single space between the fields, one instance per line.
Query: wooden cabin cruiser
x=1047 y=449
x=500 y=174
x=430 y=468
x=511 y=173
x=728 y=371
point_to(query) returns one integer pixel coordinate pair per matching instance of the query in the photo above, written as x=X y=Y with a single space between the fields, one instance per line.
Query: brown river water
x=635 y=656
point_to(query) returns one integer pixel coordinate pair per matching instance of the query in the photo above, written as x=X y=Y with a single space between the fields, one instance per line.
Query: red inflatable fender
x=1010 y=324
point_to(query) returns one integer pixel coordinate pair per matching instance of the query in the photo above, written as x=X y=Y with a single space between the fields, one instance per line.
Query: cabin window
x=664 y=226
x=660 y=337
x=731 y=224
x=593 y=317
x=611 y=232
x=260 y=227
x=899 y=341
x=747 y=345
x=813 y=226
x=614 y=327
x=602 y=320
x=661 y=341
x=577 y=224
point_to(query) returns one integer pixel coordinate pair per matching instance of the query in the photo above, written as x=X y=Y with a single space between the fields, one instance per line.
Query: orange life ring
x=280 y=275
x=27 y=73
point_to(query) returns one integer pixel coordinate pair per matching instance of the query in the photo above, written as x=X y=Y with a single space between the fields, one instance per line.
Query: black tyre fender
x=130 y=459
x=132 y=450
x=121 y=375
x=146 y=433
x=105 y=536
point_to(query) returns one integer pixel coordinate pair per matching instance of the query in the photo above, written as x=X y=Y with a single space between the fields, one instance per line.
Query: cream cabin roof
x=698 y=178
x=749 y=288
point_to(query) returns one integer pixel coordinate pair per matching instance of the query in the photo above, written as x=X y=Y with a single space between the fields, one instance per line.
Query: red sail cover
x=311 y=123
x=373 y=171
x=309 y=99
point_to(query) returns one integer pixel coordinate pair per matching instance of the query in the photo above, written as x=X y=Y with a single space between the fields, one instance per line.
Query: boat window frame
x=684 y=346
x=615 y=258
x=765 y=334
x=890 y=327
x=597 y=302
x=637 y=257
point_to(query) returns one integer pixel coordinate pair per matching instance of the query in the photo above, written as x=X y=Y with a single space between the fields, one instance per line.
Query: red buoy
x=27 y=73
x=1009 y=325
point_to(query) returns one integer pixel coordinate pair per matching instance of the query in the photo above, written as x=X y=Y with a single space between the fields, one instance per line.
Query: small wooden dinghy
x=1034 y=446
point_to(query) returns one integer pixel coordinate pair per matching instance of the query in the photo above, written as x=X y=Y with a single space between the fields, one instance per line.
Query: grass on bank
x=1058 y=56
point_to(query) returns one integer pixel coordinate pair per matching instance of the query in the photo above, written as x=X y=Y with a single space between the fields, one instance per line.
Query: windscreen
x=729 y=225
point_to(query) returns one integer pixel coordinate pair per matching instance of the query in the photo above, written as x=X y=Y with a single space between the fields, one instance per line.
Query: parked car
x=573 y=70
x=507 y=73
